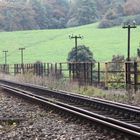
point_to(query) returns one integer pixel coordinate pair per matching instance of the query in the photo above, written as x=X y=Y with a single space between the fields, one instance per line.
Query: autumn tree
x=82 y=12
x=132 y=7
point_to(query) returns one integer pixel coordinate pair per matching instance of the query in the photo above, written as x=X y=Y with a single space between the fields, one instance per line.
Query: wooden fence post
x=85 y=81
x=106 y=75
x=98 y=72
x=60 y=69
x=48 y=69
x=135 y=76
x=56 y=70
x=70 y=69
x=126 y=75
x=91 y=73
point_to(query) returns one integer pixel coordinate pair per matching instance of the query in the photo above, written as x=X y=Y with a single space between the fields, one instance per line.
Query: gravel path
x=39 y=124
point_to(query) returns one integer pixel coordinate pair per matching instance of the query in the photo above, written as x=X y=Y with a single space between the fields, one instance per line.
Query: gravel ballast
x=32 y=122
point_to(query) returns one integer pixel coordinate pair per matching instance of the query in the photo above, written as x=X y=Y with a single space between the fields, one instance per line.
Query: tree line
x=56 y=14
x=32 y=14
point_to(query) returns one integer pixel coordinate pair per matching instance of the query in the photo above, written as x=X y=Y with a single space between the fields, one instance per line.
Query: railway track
x=114 y=117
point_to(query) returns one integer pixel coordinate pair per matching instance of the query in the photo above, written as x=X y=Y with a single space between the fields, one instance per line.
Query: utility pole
x=5 y=56
x=76 y=39
x=129 y=26
x=22 y=62
x=22 y=49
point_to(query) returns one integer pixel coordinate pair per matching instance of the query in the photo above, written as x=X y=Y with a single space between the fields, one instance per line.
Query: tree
x=33 y=14
x=81 y=71
x=17 y=16
x=82 y=12
x=56 y=13
x=83 y=54
x=40 y=14
x=131 y=7
x=116 y=66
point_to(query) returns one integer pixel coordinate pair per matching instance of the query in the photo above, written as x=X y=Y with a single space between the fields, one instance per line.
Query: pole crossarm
x=129 y=26
x=21 y=48
x=75 y=37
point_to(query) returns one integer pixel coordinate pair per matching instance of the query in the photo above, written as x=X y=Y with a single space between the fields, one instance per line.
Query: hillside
x=54 y=45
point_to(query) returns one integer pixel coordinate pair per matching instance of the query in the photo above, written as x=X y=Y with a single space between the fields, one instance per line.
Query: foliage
x=79 y=70
x=132 y=7
x=118 y=78
x=118 y=11
x=82 y=12
x=105 y=23
x=116 y=63
x=32 y=14
x=116 y=66
x=54 y=14
x=83 y=54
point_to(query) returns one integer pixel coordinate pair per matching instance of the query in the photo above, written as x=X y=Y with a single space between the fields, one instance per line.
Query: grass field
x=54 y=45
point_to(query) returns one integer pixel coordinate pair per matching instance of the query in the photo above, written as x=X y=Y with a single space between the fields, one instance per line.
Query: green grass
x=54 y=45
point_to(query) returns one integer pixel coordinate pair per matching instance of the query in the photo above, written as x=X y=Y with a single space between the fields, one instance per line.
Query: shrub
x=105 y=23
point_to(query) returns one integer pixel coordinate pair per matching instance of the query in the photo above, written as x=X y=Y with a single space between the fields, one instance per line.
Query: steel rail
x=135 y=128
x=126 y=114
x=73 y=95
x=77 y=111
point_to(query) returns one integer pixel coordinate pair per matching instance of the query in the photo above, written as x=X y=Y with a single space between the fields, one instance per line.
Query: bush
x=105 y=23
x=118 y=78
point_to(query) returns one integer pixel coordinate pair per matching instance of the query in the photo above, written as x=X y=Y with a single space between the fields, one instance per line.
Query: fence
x=107 y=75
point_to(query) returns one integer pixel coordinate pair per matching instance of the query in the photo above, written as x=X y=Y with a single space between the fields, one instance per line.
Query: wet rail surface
x=123 y=118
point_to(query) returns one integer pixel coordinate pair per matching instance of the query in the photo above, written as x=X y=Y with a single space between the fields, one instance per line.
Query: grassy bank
x=54 y=45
